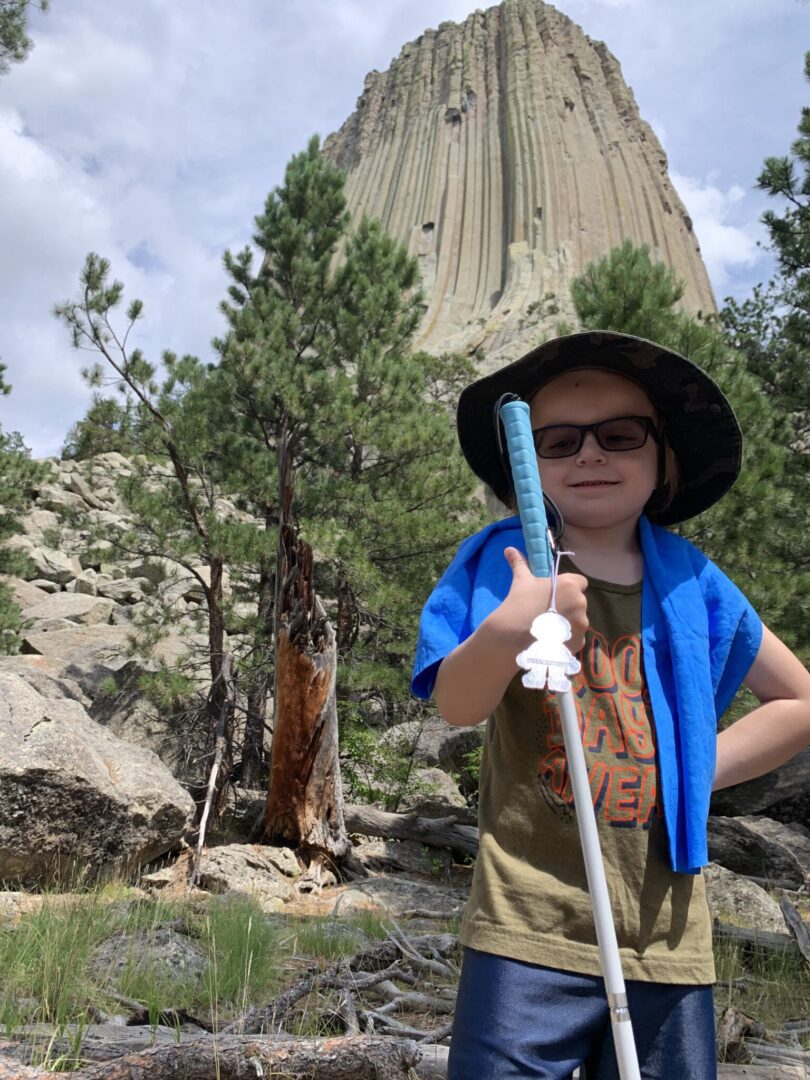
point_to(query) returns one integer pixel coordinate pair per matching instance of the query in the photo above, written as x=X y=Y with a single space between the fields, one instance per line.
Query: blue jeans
x=517 y=1020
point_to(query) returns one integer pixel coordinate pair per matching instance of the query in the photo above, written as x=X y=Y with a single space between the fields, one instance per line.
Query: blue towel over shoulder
x=700 y=636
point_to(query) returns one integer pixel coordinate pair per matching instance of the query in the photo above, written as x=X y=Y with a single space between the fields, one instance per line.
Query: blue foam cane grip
x=526 y=481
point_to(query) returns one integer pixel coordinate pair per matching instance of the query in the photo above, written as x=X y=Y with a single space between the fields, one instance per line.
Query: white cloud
x=726 y=246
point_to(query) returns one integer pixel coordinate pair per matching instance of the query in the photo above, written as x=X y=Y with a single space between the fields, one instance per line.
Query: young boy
x=629 y=436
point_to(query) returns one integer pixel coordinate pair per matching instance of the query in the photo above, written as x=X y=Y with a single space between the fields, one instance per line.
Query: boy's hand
x=530 y=596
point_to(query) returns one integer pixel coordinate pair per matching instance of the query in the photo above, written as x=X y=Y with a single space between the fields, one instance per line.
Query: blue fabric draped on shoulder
x=699 y=638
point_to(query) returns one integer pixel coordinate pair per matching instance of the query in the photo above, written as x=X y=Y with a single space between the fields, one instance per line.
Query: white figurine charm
x=547 y=661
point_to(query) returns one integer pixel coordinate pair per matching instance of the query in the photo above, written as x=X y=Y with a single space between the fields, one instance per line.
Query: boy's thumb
x=516 y=559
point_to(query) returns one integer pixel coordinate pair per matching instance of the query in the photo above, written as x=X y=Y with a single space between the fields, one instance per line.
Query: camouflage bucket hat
x=696 y=416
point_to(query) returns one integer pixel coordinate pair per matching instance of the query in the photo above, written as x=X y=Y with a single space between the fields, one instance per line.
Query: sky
x=151 y=132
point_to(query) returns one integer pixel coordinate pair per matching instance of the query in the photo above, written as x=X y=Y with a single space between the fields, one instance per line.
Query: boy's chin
x=601 y=515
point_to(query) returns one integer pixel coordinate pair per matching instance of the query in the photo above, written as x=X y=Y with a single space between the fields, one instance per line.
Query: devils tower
x=507 y=153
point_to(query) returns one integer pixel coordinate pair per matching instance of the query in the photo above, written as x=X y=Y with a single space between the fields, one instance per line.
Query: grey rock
x=743 y=903
x=38 y=521
x=125 y=590
x=48 y=563
x=783 y=794
x=47 y=587
x=394 y=896
x=75 y=607
x=84 y=584
x=128 y=713
x=739 y=848
x=406 y=856
x=77 y=484
x=25 y=593
x=258 y=871
x=74 y=799
x=54 y=497
x=434 y=742
x=69 y=644
x=48 y=684
x=437 y=796
x=158 y=952
x=794 y=838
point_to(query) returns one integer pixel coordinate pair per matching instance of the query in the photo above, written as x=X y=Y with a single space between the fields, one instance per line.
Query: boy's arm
x=473 y=678
x=776 y=731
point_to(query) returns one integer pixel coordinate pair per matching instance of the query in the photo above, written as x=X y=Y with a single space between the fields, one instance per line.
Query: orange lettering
x=602 y=726
x=621 y=804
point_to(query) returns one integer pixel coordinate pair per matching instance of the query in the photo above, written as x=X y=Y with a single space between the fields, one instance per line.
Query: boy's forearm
x=761 y=741
x=473 y=678
x=778 y=729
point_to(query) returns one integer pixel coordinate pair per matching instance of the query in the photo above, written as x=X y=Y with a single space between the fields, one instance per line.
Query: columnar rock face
x=507 y=153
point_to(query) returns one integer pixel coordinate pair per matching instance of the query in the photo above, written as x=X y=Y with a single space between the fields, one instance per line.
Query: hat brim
x=700 y=423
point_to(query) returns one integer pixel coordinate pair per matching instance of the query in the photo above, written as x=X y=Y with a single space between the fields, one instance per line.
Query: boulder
x=259 y=871
x=77 y=484
x=740 y=848
x=125 y=590
x=48 y=683
x=74 y=799
x=73 y=606
x=437 y=795
x=68 y=644
x=25 y=593
x=395 y=896
x=432 y=742
x=56 y=498
x=161 y=951
x=793 y=838
x=783 y=794
x=179 y=742
x=38 y=521
x=46 y=586
x=735 y=900
x=47 y=563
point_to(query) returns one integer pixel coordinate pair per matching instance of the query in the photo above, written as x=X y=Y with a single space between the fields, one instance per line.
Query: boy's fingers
x=516 y=559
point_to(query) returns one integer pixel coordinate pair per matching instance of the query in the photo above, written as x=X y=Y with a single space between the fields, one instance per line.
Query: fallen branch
x=232 y=1058
x=436 y=832
x=796 y=926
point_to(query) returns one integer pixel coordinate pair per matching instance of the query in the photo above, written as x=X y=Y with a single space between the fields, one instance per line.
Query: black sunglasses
x=616 y=434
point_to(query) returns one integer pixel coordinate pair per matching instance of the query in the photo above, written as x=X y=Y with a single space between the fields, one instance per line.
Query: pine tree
x=318 y=360
x=19 y=477
x=172 y=493
x=15 y=44
x=107 y=426
x=751 y=531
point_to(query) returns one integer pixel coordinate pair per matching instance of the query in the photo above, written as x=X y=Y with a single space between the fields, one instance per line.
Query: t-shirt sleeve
x=444 y=624
x=472 y=587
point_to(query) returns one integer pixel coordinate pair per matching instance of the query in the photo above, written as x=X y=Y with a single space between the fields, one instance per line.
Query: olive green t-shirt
x=529 y=897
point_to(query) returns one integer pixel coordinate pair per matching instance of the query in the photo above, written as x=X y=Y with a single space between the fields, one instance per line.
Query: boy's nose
x=590 y=449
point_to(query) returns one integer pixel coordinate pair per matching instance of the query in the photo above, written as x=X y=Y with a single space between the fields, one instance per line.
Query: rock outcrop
x=74 y=798
x=507 y=152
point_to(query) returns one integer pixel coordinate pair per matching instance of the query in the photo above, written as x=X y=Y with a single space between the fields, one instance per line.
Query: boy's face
x=596 y=488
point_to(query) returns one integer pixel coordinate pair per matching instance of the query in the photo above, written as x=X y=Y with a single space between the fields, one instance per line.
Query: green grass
x=330 y=938
x=46 y=975
x=776 y=985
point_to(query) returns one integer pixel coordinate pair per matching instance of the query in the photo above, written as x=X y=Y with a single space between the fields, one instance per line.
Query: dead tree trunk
x=304 y=806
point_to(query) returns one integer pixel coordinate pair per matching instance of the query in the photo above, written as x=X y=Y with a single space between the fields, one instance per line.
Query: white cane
x=514 y=415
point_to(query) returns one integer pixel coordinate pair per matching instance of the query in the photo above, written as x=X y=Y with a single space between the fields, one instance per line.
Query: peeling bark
x=304 y=806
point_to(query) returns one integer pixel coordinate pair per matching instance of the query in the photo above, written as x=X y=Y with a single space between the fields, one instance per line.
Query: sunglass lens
x=558 y=441
x=624 y=433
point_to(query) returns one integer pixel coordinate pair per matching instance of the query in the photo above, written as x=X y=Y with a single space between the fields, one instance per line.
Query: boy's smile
x=596 y=488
